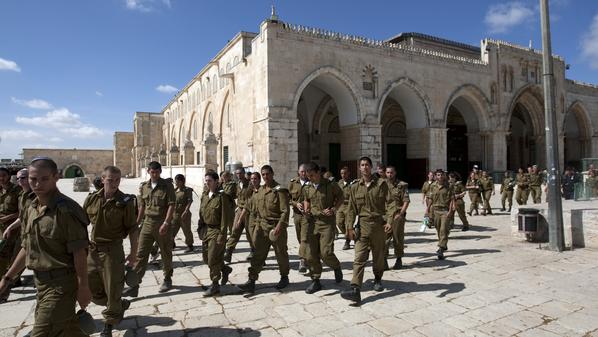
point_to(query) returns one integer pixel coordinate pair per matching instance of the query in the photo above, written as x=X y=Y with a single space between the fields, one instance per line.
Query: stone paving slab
x=490 y=284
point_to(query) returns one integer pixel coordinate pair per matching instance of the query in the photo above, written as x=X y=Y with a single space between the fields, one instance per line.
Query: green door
x=396 y=155
x=334 y=158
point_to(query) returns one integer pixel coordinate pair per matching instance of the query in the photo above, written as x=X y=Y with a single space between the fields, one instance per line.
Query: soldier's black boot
x=378 y=284
x=189 y=249
x=283 y=283
x=465 y=228
x=398 y=264
x=213 y=290
x=107 y=331
x=338 y=275
x=225 y=272
x=248 y=287
x=314 y=286
x=228 y=255
x=509 y=210
x=302 y=266
x=125 y=304
x=347 y=244
x=440 y=253
x=353 y=294
x=131 y=291
x=166 y=285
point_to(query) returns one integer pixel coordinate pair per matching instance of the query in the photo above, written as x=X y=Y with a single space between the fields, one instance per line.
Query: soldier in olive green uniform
x=156 y=207
x=244 y=192
x=487 y=189
x=506 y=191
x=215 y=213
x=112 y=217
x=459 y=191
x=441 y=210
x=342 y=221
x=522 y=187
x=321 y=200
x=301 y=227
x=592 y=182
x=535 y=185
x=272 y=212
x=229 y=187
x=427 y=185
x=9 y=211
x=399 y=195
x=368 y=200
x=473 y=189
x=181 y=218
x=54 y=243
x=250 y=209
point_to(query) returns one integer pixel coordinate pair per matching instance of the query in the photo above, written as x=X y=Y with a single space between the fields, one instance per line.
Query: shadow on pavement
x=394 y=288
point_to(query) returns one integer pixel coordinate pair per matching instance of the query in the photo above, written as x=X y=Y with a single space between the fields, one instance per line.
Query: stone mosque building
x=290 y=94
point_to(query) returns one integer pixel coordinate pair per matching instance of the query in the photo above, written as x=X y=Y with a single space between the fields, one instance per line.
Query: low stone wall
x=580 y=223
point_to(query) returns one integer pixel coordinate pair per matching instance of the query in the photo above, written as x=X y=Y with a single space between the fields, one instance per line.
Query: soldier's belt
x=48 y=275
x=105 y=247
x=440 y=208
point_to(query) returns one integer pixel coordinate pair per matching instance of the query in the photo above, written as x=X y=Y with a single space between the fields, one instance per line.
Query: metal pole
x=555 y=207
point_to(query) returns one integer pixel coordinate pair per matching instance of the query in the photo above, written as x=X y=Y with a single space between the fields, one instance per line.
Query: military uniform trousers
x=55 y=307
x=213 y=252
x=372 y=238
x=397 y=236
x=506 y=198
x=321 y=247
x=342 y=221
x=106 y=273
x=147 y=236
x=235 y=234
x=262 y=244
x=184 y=223
x=474 y=197
x=441 y=223
x=460 y=210
x=7 y=251
x=487 y=194
x=521 y=195
x=301 y=229
x=536 y=193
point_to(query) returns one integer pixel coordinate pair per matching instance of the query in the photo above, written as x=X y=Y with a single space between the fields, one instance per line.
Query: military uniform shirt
x=156 y=200
x=51 y=233
x=324 y=196
x=399 y=194
x=111 y=219
x=369 y=202
x=426 y=187
x=507 y=184
x=182 y=198
x=296 y=193
x=346 y=188
x=522 y=180
x=441 y=196
x=487 y=184
x=215 y=210
x=9 y=200
x=535 y=179
x=25 y=199
x=272 y=204
x=244 y=192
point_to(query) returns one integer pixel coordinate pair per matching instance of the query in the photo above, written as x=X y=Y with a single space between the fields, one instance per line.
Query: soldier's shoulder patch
x=294 y=180
x=355 y=181
x=221 y=191
x=280 y=188
x=403 y=184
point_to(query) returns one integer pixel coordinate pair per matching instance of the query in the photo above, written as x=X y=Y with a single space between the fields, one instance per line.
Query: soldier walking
x=459 y=192
x=343 y=223
x=441 y=209
x=112 y=217
x=399 y=201
x=181 y=219
x=473 y=189
x=156 y=207
x=487 y=189
x=522 y=187
x=272 y=212
x=9 y=211
x=244 y=192
x=54 y=246
x=426 y=186
x=321 y=200
x=295 y=190
x=215 y=214
x=535 y=185
x=506 y=191
x=368 y=200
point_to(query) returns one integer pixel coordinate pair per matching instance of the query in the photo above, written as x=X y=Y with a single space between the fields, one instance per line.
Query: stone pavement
x=489 y=285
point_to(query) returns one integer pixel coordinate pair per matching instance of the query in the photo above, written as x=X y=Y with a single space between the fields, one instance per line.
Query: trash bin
x=527 y=220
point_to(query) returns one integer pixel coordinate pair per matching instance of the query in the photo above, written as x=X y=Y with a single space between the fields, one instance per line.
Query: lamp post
x=555 y=207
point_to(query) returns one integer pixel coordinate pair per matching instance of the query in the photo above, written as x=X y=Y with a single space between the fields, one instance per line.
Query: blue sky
x=72 y=72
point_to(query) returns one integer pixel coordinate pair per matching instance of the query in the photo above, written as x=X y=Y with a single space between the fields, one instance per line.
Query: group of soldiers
x=47 y=232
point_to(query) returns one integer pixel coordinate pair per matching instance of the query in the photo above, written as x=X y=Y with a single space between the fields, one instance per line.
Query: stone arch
x=534 y=104
x=73 y=170
x=207 y=111
x=477 y=99
x=416 y=102
x=577 y=131
x=182 y=134
x=344 y=94
x=221 y=121
x=581 y=113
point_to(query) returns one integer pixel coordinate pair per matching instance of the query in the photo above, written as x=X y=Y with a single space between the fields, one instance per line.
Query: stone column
x=210 y=153
x=370 y=140
x=283 y=147
x=561 y=142
x=437 y=148
x=593 y=151
x=174 y=155
x=496 y=150
x=188 y=151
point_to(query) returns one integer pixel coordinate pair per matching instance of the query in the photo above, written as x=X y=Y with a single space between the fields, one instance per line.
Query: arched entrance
x=327 y=116
x=73 y=171
x=525 y=143
x=404 y=120
x=577 y=135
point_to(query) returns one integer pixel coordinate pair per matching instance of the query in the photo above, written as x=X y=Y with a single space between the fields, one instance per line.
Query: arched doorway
x=404 y=120
x=327 y=115
x=73 y=171
x=525 y=143
x=577 y=135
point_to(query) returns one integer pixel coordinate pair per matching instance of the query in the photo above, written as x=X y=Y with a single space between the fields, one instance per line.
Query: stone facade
x=123 y=146
x=289 y=94
x=80 y=162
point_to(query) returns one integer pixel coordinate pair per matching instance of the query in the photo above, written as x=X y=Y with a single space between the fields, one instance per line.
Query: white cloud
x=9 y=65
x=137 y=5
x=589 y=44
x=6 y=135
x=33 y=103
x=166 y=89
x=502 y=17
x=63 y=121
x=99 y=93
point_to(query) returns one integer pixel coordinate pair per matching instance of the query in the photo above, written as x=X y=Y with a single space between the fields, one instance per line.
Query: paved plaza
x=489 y=285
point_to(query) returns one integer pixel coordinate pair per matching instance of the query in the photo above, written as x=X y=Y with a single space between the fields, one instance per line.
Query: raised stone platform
x=580 y=222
